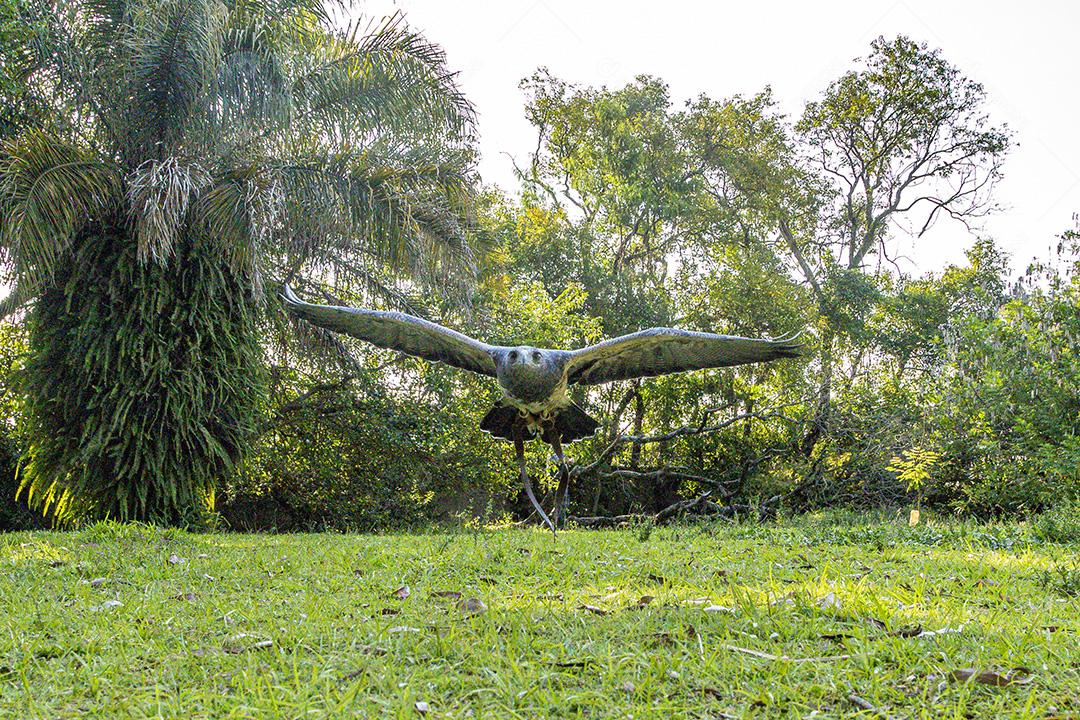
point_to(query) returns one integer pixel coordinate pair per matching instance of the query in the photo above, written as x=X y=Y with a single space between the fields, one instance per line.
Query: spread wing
x=660 y=351
x=398 y=331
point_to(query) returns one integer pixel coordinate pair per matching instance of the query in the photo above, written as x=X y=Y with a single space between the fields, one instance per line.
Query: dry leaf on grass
x=663 y=638
x=837 y=637
x=867 y=705
x=472 y=606
x=175 y=559
x=942 y=631
x=452 y=594
x=829 y=602
x=107 y=605
x=422 y=707
x=593 y=609
x=1015 y=676
x=238 y=644
x=402 y=592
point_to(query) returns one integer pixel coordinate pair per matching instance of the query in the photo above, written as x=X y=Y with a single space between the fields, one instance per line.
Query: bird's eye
x=513 y=354
x=536 y=357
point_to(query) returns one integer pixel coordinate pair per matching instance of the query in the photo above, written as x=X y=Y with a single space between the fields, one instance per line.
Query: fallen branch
x=700 y=505
x=674 y=510
x=701 y=428
x=661 y=474
x=609 y=521
x=770 y=656
x=867 y=705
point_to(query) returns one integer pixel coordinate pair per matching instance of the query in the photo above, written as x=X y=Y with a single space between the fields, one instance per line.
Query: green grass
x=251 y=626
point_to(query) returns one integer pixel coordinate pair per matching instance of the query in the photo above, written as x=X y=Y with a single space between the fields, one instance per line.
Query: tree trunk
x=819 y=423
x=639 y=419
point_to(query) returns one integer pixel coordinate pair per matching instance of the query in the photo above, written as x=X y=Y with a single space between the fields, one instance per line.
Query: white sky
x=1026 y=54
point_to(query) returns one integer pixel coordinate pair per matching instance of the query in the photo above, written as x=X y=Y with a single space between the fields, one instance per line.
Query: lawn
x=816 y=618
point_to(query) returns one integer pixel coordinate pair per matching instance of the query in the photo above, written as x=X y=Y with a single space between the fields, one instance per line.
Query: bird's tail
x=570 y=422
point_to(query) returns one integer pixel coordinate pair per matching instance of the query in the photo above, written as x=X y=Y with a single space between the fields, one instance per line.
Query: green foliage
x=352 y=456
x=1006 y=411
x=17 y=57
x=14 y=513
x=1063 y=580
x=1060 y=524
x=144 y=389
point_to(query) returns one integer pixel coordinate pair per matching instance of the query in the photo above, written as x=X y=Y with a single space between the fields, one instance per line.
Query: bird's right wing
x=398 y=331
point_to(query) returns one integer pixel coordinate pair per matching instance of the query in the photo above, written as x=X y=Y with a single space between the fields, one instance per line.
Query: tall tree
x=663 y=217
x=903 y=141
x=191 y=150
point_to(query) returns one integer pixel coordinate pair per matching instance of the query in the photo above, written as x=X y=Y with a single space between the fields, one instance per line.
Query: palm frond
x=159 y=194
x=172 y=54
x=347 y=208
x=16 y=301
x=49 y=190
x=390 y=80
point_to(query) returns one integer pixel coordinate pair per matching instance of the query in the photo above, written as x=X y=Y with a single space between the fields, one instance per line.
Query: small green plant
x=645 y=530
x=1061 y=525
x=1062 y=580
x=914 y=468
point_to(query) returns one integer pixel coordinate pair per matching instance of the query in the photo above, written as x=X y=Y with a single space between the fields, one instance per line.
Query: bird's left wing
x=398 y=331
x=660 y=351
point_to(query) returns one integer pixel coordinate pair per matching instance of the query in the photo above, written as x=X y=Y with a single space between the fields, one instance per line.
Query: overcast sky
x=1026 y=54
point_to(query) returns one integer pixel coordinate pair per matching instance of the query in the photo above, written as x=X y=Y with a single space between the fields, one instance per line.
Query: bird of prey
x=534 y=380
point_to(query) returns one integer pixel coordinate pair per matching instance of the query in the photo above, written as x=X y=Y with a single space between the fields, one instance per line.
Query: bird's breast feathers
x=539 y=405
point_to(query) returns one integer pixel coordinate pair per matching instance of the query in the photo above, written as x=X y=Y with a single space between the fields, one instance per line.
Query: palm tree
x=194 y=154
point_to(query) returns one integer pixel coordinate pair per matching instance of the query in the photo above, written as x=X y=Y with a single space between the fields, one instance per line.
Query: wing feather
x=398 y=331
x=660 y=351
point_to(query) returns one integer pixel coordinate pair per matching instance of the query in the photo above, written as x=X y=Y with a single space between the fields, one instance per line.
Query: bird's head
x=524 y=360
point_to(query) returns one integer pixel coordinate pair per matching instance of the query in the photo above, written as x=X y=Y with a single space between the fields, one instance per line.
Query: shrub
x=357 y=457
x=145 y=386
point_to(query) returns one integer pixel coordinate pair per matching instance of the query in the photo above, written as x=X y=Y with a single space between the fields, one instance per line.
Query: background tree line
x=168 y=164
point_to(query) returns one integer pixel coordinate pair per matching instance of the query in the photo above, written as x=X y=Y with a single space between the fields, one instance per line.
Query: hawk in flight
x=534 y=380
